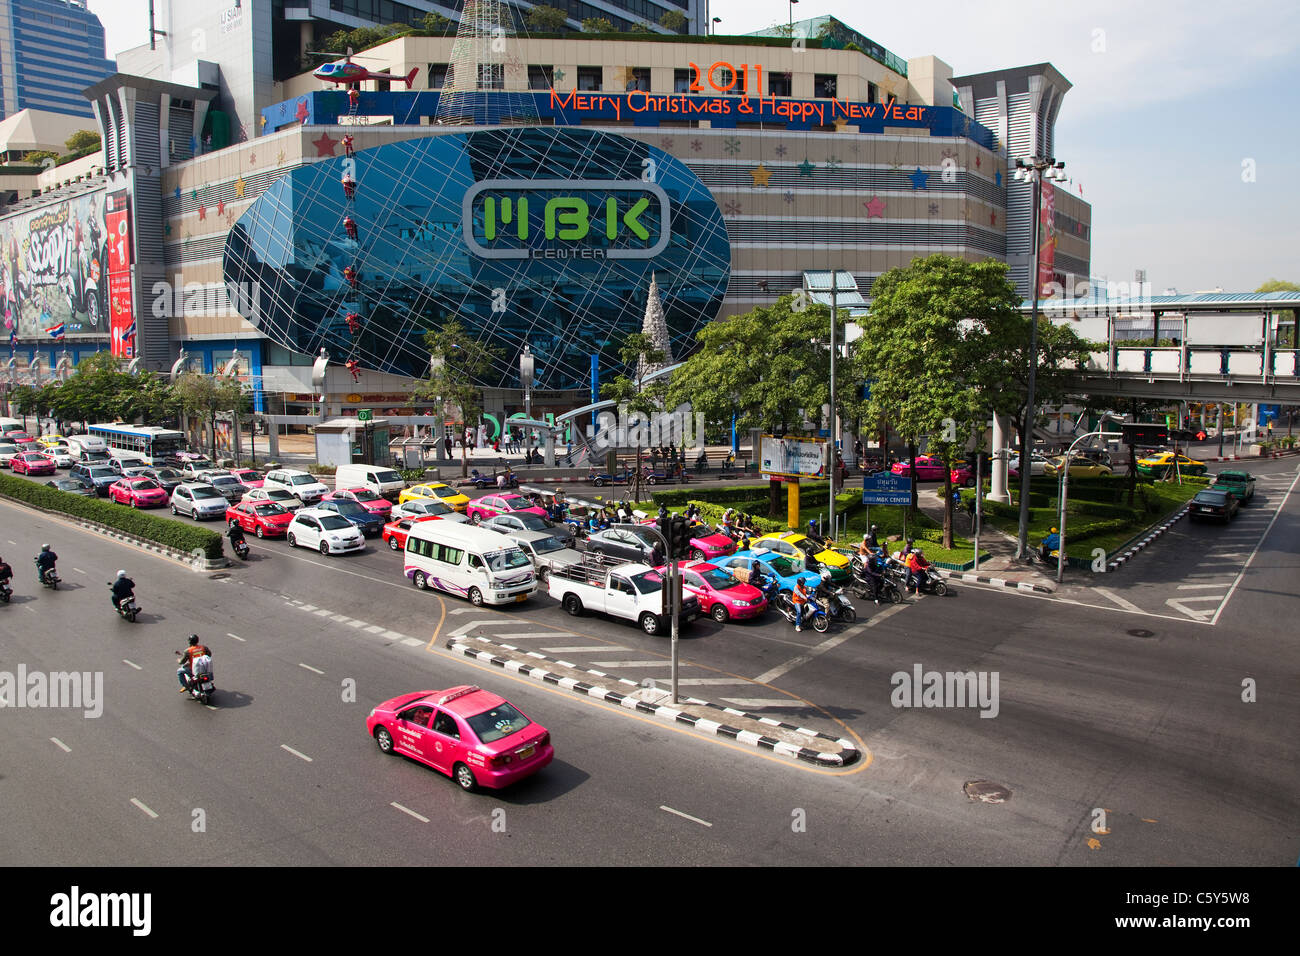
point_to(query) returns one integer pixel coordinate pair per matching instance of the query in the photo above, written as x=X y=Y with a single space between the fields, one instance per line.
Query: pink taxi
x=248 y=477
x=706 y=544
x=489 y=506
x=372 y=501
x=138 y=493
x=470 y=734
x=721 y=595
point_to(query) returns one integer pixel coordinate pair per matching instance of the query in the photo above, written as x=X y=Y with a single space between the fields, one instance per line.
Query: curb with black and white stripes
x=1001 y=582
x=1155 y=533
x=846 y=755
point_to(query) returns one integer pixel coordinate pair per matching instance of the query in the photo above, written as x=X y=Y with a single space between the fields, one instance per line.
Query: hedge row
x=732 y=496
x=142 y=524
x=713 y=513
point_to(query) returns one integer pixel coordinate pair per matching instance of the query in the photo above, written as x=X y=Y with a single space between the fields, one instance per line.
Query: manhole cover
x=987 y=791
x=1141 y=632
x=218 y=576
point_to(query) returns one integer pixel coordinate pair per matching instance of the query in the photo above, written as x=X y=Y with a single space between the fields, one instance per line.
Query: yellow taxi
x=1163 y=464
x=49 y=441
x=436 y=490
x=800 y=548
x=1080 y=467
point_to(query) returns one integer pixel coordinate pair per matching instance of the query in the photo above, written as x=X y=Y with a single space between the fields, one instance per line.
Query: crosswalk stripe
x=585 y=649
x=764 y=702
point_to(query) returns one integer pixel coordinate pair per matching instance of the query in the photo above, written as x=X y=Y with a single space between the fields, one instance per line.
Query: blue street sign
x=885 y=488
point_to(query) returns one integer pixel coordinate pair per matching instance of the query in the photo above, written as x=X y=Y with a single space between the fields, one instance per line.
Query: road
x=1103 y=713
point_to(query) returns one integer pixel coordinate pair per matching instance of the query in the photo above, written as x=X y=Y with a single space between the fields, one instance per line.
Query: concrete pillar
x=272 y=441
x=548 y=453
x=998 y=488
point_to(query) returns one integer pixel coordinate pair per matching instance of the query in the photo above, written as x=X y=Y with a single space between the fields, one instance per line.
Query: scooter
x=126 y=608
x=6 y=592
x=49 y=577
x=888 y=590
x=838 y=607
x=929 y=581
x=200 y=684
x=813 y=614
x=241 y=549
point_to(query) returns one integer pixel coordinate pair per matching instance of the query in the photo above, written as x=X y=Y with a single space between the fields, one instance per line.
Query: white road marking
x=462 y=610
x=588 y=649
x=409 y=811
x=632 y=663
x=1242 y=573
x=353 y=622
x=306 y=607
x=1122 y=602
x=61 y=745
x=826 y=645
x=341 y=618
x=1196 y=587
x=764 y=701
x=322 y=612
x=528 y=635
x=412 y=642
x=375 y=629
x=132 y=664
x=236 y=637
x=696 y=681
x=79 y=571
x=11 y=541
x=310 y=668
x=1179 y=604
x=687 y=816
x=394 y=635
x=295 y=753
x=152 y=815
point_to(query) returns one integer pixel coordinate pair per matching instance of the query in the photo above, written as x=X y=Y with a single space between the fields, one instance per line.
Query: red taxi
x=138 y=493
x=395 y=532
x=489 y=506
x=372 y=501
x=32 y=463
x=470 y=734
x=266 y=519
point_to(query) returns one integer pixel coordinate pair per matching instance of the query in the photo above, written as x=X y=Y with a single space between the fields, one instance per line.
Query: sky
x=1181 y=126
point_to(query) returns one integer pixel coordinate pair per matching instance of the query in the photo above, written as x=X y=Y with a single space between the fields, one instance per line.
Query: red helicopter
x=351 y=74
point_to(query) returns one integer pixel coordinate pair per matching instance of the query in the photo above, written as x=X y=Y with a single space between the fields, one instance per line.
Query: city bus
x=148 y=443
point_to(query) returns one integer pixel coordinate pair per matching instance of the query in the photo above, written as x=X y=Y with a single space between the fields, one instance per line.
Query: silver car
x=420 y=507
x=199 y=501
x=284 y=499
x=546 y=550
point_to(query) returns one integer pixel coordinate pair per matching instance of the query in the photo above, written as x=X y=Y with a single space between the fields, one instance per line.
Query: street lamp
x=1034 y=171
x=716 y=21
x=792 y=3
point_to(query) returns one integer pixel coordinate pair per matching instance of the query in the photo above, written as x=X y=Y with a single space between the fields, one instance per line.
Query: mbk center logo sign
x=566 y=219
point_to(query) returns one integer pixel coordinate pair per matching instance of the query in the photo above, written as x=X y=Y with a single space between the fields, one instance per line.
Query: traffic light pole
x=673 y=583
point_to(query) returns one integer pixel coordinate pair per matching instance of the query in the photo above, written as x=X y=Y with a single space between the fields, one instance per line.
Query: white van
x=471 y=562
x=80 y=445
x=382 y=481
x=301 y=484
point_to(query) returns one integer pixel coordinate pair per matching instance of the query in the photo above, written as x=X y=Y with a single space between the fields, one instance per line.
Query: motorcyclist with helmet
x=45 y=562
x=123 y=588
x=185 y=673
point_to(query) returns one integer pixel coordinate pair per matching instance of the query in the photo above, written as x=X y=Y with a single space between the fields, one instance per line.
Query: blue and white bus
x=148 y=443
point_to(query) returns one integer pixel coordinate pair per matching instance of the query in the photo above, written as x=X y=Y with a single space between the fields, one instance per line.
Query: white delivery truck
x=634 y=592
x=474 y=563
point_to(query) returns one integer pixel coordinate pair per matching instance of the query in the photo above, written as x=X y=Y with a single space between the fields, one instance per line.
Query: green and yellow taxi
x=800 y=547
x=1080 y=467
x=1158 y=466
x=437 y=491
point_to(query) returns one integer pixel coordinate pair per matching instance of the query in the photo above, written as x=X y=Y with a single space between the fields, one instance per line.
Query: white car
x=278 y=495
x=1037 y=464
x=62 y=457
x=326 y=531
x=7 y=452
x=428 y=506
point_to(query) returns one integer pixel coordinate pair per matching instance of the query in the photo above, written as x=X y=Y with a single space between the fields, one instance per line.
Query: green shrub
x=142 y=524
x=736 y=496
x=322 y=469
x=412 y=475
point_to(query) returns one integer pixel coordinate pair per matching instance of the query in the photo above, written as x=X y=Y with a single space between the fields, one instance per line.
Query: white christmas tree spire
x=655 y=327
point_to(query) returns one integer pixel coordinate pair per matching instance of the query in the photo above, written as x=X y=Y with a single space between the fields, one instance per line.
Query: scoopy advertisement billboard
x=793 y=457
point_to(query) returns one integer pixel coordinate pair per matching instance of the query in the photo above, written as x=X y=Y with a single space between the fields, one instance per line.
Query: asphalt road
x=1099 y=708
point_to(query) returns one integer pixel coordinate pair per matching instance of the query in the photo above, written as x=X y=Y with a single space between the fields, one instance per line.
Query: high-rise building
x=50 y=50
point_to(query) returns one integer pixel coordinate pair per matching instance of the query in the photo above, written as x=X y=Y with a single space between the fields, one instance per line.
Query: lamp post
x=716 y=21
x=830 y=499
x=791 y=5
x=1065 y=492
x=1032 y=171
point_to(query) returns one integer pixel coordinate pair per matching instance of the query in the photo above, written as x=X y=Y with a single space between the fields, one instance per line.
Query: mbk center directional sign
x=885 y=488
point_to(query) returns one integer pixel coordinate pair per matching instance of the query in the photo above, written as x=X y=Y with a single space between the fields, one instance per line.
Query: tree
x=639 y=27
x=673 y=20
x=546 y=19
x=597 y=25
x=86 y=139
x=459 y=361
x=637 y=396
x=1279 y=285
x=206 y=395
x=926 y=331
x=435 y=23
x=37 y=157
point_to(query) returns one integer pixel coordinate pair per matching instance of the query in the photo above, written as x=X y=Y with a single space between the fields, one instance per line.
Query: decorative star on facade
x=252 y=159
x=666 y=142
x=221 y=207
x=239 y=187
x=300 y=114
x=788 y=196
x=279 y=160
x=203 y=212
x=178 y=192
x=557 y=76
x=918 y=178
x=325 y=145
x=840 y=122
x=230 y=217
x=732 y=208
x=732 y=145
x=993 y=219
x=697 y=145
x=263 y=122
x=761 y=174
x=781 y=150
x=806 y=168
x=977 y=161
x=833 y=162
x=934 y=209
x=167 y=229
x=194 y=194
x=875 y=207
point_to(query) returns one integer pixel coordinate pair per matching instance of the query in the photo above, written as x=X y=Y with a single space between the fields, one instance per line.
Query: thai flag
x=56 y=332
x=130 y=331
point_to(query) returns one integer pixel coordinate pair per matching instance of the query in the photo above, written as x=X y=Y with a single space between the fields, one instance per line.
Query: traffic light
x=1145 y=434
x=679 y=539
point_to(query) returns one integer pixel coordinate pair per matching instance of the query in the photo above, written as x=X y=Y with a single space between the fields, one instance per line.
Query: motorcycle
x=838 y=607
x=241 y=549
x=929 y=581
x=6 y=592
x=813 y=614
x=126 y=608
x=200 y=684
x=887 y=590
x=49 y=577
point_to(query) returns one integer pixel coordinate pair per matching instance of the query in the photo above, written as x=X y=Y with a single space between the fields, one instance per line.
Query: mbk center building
x=731 y=172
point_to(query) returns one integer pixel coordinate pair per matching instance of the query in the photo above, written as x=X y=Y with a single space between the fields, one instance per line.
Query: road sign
x=365 y=415
x=885 y=488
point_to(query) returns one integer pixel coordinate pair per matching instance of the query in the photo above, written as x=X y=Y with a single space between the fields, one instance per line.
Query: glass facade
x=54 y=50
x=539 y=236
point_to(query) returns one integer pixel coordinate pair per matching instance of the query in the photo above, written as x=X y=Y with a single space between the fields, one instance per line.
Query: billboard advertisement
x=121 y=314
x=793 y=457
x=53 y=274
x=1047 y=240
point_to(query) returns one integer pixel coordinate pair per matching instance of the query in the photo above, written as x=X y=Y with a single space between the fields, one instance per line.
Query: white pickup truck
x=634 y=592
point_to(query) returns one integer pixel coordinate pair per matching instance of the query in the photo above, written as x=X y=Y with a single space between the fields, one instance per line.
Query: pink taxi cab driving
x=138 y=493
x=489 y=506
x=372 y=501
x=248 y=477
x=706 y=544
x=721 y=595
x=470 y=734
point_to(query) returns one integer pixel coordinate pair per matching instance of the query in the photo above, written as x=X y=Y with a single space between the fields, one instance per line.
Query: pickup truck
x=1240 y=483
x=634 y=592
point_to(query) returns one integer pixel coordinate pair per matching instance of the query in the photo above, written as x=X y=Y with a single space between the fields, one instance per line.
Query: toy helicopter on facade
x=352 y=74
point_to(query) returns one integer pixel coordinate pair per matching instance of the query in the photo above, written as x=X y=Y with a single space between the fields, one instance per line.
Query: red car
x=21 y=439
x=32 y=463
x=489 y=506
x=721 y=595
x=470 y=734
x=395 y=532
x=266 y=519
x=373 y=502
x=248 y=477
x=928 y=468
x=138 y=493
x=963 y=475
